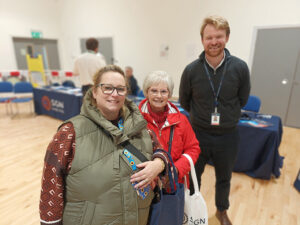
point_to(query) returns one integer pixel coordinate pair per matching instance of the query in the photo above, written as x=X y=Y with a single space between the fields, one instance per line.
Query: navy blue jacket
x=196 y=95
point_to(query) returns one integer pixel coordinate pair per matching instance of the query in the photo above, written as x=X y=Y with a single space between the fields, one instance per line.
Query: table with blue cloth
x=260 y=137
x=258 y=155
x=59 y=102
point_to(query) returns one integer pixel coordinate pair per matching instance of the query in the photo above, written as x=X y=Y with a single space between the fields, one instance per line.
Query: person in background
x=161 y=114
x=133 y=85
x=86 y=175
x=87 y=64
x=213 y=89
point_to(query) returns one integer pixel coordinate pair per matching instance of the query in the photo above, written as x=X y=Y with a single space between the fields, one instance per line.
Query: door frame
x=33 y=42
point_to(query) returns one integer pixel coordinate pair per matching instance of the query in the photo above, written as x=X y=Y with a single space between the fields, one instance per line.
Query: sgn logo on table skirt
x=46 y=103
x=52 y=104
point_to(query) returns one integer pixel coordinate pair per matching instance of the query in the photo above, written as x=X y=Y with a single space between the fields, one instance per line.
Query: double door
x=45 y=47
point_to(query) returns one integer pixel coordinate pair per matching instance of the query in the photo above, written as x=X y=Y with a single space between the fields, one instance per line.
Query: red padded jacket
x=184 y=139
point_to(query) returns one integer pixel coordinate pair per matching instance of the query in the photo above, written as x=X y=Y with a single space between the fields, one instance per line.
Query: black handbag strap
x=175 y=181
x=171 y=139
x=135 y=151
x=140 y=155
x=126 y=145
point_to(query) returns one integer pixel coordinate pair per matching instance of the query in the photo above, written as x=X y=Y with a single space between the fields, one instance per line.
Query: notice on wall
x=23 y=51
x=164 y=51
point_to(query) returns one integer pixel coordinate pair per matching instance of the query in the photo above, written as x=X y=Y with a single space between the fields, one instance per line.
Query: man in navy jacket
x=213 y=89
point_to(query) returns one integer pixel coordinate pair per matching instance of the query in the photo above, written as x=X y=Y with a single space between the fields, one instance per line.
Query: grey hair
x=157 y=77
x=128 y=67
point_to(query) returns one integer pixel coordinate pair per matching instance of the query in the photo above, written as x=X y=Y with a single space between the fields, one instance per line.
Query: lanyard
x=216 y=95
x=121 y=124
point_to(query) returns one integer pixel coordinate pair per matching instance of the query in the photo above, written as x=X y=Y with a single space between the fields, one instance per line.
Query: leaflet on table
x=59 y=88
x=264 y=116
x=68 y=90
x=256 y=123
x=74 y=91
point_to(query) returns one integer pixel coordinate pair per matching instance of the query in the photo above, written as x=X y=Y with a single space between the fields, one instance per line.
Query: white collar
x=219 y=63
x=91 y=51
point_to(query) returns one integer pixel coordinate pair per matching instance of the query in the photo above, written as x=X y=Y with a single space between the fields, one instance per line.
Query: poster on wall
x=164 y=51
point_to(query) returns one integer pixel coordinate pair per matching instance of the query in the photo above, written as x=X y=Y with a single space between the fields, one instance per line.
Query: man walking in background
x=213 y=89
x=87 y=64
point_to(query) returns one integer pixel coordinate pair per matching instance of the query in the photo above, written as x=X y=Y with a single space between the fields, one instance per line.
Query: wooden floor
x=23 y=141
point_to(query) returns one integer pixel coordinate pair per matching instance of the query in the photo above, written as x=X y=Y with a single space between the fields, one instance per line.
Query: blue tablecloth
x=258 y=155
x=260 y=139
x=58 y=102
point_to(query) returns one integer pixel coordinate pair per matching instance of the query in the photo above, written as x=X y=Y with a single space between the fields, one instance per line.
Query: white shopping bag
x=195 y=210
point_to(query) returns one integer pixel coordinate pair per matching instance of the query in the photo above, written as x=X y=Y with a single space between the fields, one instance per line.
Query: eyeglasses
x=108 y=89
x=156 y=92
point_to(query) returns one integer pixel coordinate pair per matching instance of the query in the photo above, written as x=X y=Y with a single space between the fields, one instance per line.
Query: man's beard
x=214 y=53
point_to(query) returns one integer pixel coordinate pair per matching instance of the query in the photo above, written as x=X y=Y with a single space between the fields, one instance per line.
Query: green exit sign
x=36 y=34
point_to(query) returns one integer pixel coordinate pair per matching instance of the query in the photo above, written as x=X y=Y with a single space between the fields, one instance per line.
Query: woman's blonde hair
x=98 y=76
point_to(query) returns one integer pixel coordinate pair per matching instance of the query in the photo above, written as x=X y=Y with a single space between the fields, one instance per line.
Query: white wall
x=18 y=18
x=244 y=16
x=139 y=28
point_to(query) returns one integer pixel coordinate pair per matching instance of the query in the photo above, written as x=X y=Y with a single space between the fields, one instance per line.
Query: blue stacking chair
x=23 y=93
x=6 y=94
x=141 y=94
x=68 y=83
x=55 y=84
x=253 y=104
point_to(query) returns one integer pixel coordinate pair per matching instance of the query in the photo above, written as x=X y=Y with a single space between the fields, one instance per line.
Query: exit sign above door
x=36 y=34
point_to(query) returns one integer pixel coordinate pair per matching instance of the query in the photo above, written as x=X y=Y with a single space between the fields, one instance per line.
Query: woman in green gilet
x=87 y=169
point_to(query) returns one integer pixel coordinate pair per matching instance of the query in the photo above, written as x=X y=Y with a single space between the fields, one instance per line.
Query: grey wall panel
x=274 y=60
x=105 y=48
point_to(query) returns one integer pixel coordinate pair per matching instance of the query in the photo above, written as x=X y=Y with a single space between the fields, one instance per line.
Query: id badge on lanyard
x=215 y=118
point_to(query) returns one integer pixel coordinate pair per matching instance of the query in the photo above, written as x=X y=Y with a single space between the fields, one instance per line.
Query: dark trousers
x=85 y=88
x=222 y=151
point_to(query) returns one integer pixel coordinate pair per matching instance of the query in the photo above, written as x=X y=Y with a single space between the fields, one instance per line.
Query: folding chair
x=253 y=104
x=55 y=79
x=68 y=74
x=14 y=77
x=6 y=94
x=23 y=93
x=140 y=94
x=68 y=83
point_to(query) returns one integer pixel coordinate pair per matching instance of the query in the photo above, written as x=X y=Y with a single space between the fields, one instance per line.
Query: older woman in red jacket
x=161 y=114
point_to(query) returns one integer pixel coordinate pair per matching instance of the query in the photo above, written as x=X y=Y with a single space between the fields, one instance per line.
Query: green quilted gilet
x=97 y=188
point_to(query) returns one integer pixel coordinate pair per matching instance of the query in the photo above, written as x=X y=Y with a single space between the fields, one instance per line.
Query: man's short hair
x=218 y=22
x=91 y=44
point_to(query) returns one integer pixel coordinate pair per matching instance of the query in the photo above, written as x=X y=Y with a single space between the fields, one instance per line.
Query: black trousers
x=221 y=150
